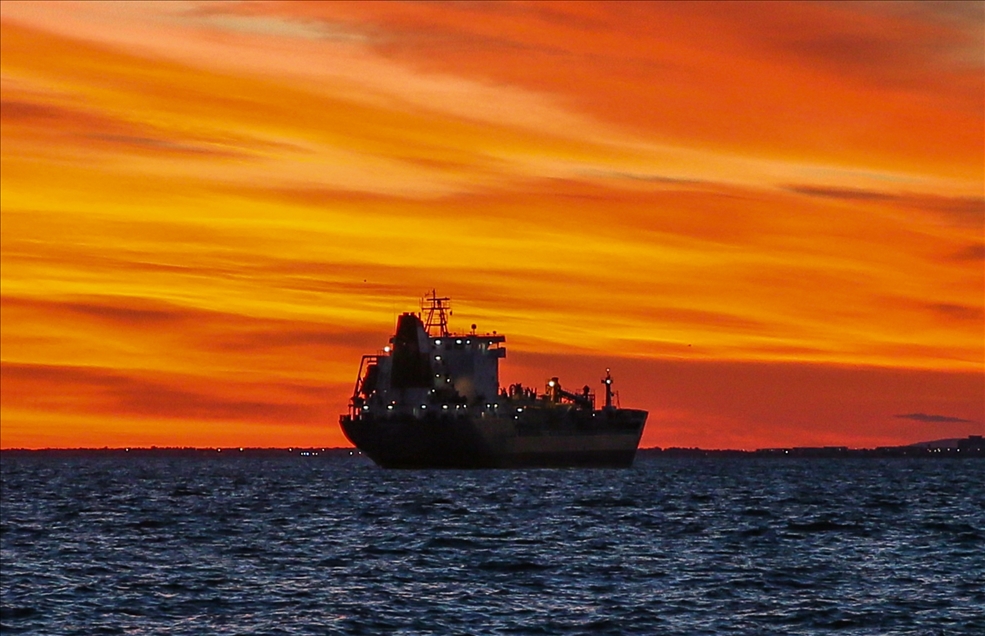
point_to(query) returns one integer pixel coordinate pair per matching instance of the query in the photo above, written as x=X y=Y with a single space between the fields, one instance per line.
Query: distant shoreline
x=973 y=446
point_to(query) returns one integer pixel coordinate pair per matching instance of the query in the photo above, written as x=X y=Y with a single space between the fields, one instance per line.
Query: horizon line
x=291 y=449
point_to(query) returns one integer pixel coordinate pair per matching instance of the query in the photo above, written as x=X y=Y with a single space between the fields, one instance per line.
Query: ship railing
x=364 y=364
x=356 y=402
x=355 y=408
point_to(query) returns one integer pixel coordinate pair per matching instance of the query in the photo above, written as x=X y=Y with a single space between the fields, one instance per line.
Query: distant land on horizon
x=973 y=445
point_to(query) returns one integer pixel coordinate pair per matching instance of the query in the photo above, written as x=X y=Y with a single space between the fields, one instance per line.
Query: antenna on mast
x=438 y=310
x=607 y=381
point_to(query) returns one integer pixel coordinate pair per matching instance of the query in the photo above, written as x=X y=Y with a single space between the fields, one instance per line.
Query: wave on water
x=274 y=543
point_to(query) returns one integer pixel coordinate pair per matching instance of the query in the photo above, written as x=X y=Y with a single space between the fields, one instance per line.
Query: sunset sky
x=766 y=219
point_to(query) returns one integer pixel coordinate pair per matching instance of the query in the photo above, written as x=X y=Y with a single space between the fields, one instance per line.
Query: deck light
x=386 y=349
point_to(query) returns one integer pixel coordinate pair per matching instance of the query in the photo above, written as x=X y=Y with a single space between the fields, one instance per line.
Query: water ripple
x=105 y=543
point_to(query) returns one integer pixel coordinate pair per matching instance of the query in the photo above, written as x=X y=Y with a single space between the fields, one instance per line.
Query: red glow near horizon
x=767 y=219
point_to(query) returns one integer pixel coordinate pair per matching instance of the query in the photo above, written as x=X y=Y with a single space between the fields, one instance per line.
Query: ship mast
x=607 y=381
x=438 y=310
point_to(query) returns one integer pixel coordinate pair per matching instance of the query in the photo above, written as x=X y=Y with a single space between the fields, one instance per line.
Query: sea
x=291 y=542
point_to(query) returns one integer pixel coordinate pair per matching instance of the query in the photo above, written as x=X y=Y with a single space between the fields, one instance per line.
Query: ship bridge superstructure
x=426 y=364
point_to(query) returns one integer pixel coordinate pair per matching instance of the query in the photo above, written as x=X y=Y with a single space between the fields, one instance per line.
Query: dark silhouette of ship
x=432 y=399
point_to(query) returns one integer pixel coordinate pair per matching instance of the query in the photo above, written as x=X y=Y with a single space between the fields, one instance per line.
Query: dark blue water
x=283 y=544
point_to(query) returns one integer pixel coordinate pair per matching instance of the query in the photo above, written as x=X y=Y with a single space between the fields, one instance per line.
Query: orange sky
x=767 y=219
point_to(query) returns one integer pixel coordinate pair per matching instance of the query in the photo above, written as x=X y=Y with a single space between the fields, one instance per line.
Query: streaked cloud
x=225 y=204
x=934 y=419
x=267 y=25
x=974 y=252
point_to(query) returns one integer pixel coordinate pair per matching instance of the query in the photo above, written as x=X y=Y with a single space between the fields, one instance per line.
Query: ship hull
x=537 y=438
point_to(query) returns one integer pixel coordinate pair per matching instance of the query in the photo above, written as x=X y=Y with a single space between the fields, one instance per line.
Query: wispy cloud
x=129 y=393
x=974 y=252
x=934 y=419
x=849 y=194
x=210 y=201
x=269 y=25
x=964 y=210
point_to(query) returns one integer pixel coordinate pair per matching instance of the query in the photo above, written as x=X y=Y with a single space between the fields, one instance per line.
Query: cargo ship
x=431 y=399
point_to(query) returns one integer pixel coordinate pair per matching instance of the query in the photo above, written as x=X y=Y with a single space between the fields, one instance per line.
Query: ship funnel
x=411 y=366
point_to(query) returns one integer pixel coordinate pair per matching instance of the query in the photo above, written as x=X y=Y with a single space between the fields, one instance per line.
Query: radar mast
x=438 y=310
